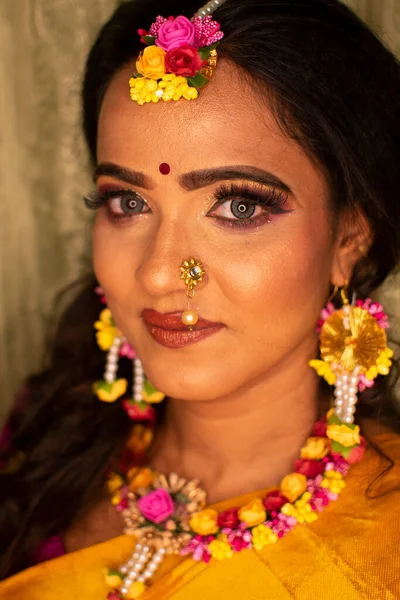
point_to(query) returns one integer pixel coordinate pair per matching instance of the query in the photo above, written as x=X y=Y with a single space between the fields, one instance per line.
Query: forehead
x=228 y=124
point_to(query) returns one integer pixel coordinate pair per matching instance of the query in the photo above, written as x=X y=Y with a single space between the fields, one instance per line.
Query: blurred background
x=44 y=166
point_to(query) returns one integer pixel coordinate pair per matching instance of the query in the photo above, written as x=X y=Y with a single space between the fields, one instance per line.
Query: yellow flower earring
x=111 y=388
x=354 y=351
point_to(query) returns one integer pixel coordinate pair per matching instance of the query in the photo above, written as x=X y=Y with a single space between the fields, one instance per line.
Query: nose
x=159 y=270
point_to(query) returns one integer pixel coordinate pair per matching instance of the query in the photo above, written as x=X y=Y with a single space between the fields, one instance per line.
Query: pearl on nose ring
x=192 y=273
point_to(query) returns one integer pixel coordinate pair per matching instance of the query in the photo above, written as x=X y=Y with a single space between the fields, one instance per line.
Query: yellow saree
x=350 y=553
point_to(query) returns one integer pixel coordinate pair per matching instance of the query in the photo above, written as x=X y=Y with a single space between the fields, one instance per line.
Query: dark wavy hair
x=333 y=87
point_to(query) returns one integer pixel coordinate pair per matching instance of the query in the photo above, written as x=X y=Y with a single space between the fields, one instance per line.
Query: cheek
x=281 y=281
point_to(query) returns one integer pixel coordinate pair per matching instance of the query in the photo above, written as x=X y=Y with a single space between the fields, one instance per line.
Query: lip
x=168 y=330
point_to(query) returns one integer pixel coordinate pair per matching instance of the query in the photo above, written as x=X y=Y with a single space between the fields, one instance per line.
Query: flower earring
x=111 y=388
x=354 y=351
x=192 y=273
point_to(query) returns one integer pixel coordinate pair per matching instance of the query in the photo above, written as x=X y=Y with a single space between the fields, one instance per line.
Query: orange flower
x=151 y=62
x=293 y=486
x=253 y=513
x=139 y=478
x=205 y=522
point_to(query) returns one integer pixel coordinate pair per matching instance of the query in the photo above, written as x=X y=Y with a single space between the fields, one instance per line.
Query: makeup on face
x=168 y=330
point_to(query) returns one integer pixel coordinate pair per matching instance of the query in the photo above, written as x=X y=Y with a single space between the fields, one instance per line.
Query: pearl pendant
x=189 y=317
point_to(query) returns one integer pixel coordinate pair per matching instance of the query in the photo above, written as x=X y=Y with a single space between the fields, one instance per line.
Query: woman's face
x=241 y=198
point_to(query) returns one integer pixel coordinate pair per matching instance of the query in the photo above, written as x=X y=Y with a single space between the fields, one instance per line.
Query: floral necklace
x=168 y=514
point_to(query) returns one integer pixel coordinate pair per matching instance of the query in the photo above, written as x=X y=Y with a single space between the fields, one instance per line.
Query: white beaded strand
x=112 y=360
x=345 y=393
x=140 y=567
x=138 y=380
x=209 y=8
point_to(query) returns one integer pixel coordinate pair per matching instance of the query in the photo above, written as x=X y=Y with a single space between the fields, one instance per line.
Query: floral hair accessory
x=179 y=58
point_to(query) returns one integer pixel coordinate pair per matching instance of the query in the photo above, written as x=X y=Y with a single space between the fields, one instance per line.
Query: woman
x=228 y=215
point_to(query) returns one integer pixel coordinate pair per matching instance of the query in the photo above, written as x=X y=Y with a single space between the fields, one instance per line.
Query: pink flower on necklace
x=156 y=506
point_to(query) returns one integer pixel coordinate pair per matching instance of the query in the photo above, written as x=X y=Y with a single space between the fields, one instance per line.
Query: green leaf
x=204 y=52
x=103 y=385
x=149 y=388
x=137 y=75
x=334 y=420
x=115 y=572
x=149 y=40
x=343 y=450
x=197 y=81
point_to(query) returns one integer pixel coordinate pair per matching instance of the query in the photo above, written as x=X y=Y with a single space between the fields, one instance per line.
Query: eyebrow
x=194 y=180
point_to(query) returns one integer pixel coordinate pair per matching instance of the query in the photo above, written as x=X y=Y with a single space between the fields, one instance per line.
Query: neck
x=241 y=443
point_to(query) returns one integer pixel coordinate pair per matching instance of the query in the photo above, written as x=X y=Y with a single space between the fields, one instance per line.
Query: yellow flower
x=293 y=486
x=139 y=478
x=253 y=513
x=263 y=536
x=136 y=590
x=151 y=62
x=106 y=330
x=220 y=548
x=116 y=499
x=109 y=392
x=205 y=522
x=324 y=370
x=113 y=578
x=333 y=481
x=114 y=483
x=301 y=510
x=315 y=448
x=343 y=434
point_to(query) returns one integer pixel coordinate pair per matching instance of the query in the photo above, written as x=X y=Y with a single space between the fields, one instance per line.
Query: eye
x=246 y=205
x=127 y=203
x=120 y=204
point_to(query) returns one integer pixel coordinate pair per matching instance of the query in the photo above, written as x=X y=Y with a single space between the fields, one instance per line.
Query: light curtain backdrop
x=44 y=230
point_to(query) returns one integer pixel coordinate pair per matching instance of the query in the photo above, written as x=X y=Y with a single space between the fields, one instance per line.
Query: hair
x=335 y=89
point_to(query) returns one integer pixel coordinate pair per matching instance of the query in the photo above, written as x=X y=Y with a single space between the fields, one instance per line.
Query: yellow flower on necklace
x=151 y=62
x=106 y=330
x=220 y=548
x=315 y=448
x=253 y=513
x=343 y=434
x=263 y=536
x=140 y=438
x=114 y=483
x=333 y=481
x=301 y=510
x=293 y=486
x=205 y=522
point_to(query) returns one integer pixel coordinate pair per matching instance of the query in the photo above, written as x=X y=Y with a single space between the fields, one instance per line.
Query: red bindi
x=165 y=169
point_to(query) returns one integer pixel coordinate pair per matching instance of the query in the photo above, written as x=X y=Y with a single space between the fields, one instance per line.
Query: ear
x=354 y=239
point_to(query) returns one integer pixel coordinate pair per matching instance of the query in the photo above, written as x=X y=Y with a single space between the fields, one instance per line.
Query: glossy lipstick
x=168 y=330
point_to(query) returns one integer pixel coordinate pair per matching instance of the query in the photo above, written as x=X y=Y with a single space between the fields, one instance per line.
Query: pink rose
x=184 y=61
x=176 y=33
x=156 y=506
x=309 y=468
x=358 y=452
x=274 y=501
x=229 y=518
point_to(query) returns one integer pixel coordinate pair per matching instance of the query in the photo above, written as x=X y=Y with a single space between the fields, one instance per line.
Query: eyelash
x=271 y=201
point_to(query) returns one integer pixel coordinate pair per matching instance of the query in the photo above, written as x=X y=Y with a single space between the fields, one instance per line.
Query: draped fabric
x=349 y=553
x=44 y=170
